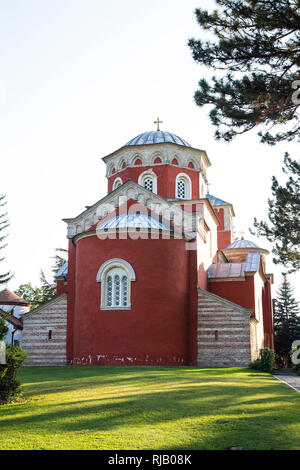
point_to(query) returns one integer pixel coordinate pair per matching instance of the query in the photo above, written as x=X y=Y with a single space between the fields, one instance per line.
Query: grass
x=150 y=408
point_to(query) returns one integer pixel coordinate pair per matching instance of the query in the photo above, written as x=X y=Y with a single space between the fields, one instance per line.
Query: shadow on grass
x=68 y=379
x=206 y=408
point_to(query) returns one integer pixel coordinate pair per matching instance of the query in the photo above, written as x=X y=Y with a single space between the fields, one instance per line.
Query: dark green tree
x=284 y=209
x=33 y=295
x=3 y=325
x=49 y=289
x=37 y=296
x=60 y=257
x=286 y=320
x=256 y=46
x=4 y=278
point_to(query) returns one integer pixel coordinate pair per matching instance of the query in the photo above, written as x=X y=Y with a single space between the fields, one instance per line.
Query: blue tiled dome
x=241 y=244
x=157 y=137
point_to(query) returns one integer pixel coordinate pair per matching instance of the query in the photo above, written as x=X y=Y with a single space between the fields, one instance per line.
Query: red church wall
x=202 y=277
x=61 y=287
x=192 y=318
x=268 y=316
x=220 y=214
x=239 y=292
x=224 y=239
x=224 y=236
x=71 y=297
x=166 y=177
x=154 y=330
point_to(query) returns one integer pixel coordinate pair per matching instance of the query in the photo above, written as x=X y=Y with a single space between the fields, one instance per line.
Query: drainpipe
x=12 y=336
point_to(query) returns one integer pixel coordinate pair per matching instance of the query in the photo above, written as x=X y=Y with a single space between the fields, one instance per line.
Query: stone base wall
x=44 y=348
x=223 y=332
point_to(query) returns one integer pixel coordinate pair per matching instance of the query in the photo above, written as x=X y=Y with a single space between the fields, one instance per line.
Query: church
x=154 y=276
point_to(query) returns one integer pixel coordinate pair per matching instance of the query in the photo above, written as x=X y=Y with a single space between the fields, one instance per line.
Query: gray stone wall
x=44 y=333
x=223 y=332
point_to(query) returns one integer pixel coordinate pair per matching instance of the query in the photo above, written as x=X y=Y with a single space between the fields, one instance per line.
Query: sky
x=78 y=79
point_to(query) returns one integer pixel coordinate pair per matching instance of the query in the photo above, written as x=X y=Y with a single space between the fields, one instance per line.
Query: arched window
x=183 y=189
x=148 y=184
x=148 y=179
x=118 y=182
x=115 y=276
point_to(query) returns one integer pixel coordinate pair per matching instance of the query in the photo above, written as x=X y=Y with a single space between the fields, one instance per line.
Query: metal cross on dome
x=158 y=122
x=242 y=234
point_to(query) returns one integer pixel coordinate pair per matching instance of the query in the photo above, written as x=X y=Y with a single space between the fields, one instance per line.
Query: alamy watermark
x=157 y=220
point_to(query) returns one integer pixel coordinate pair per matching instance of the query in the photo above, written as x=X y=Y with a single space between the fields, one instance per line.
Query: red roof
x=8 y=297
x=18 y=323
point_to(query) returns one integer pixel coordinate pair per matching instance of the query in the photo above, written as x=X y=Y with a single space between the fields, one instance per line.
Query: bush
x=9 y=386
x=3 y=326
x=265 y=362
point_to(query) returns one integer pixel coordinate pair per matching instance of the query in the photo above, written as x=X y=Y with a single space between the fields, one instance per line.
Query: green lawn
x=150 y=408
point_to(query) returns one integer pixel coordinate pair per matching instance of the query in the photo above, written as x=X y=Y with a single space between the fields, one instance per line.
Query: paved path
x=289 y=377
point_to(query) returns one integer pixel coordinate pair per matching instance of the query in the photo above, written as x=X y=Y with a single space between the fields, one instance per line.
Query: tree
x=48 y=288
x=283 y=213
x=286 y=320
x=32 y=295
x=59 y=260
x=4 y=278
x=3 y=325
x=257 y=43
x=37 y=296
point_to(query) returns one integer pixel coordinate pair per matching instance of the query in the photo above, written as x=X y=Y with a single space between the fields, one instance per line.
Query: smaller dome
x=241 y=244
x=8 y=297
x=157 y=137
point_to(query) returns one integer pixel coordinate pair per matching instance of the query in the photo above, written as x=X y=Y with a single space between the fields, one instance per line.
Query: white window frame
x=188 y=186
x=148 y=174
x=115 y=266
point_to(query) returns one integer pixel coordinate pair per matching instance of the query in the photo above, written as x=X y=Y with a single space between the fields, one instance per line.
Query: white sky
x=78 y=79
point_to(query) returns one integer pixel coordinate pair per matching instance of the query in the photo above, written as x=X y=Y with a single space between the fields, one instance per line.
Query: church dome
x=157 y=137
x=237 y=244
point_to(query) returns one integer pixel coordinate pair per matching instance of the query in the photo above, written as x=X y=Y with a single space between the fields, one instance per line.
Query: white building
x=15 y=307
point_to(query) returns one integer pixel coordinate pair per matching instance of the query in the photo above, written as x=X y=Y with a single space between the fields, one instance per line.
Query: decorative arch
x=110 y=169
x=193 y=164
x=156 y=158
x=118 y=182
x=183 y=186
x=115 y=276
x=148 y=179
x=122 y=164
x=136 y=159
